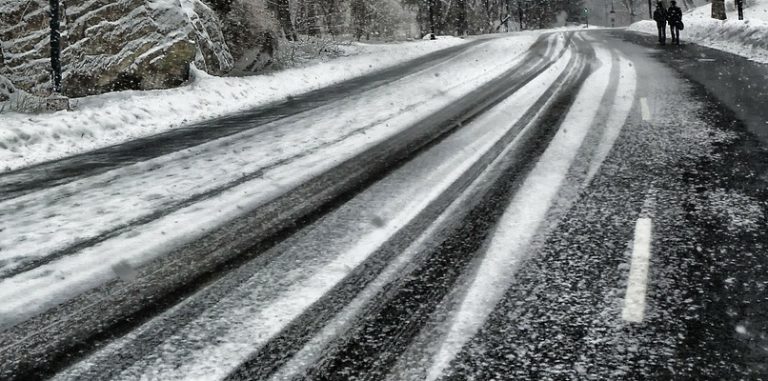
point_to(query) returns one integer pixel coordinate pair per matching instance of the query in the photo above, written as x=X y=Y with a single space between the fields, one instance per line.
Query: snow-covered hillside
x=748 y=37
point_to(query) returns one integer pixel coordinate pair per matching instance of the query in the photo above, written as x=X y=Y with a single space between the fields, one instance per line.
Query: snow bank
x=112 y=118
x=747 y=38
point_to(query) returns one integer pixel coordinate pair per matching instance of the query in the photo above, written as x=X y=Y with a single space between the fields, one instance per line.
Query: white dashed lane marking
x=634 y=300
x=637 y=283
x=646 y=111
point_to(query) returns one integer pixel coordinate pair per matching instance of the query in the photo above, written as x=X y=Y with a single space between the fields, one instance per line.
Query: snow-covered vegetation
x=748 y=37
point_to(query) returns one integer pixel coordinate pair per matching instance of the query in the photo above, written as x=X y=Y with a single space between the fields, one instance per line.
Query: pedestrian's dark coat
x=675 y=15
x=660 y=15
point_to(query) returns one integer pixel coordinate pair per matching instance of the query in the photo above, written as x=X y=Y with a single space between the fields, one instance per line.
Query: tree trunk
x=332 y=17
x=55 y=24
x=306 y=19
x=718 y=10
x=631 y=11
x=431 y=10
x=284 y=16
x=650 y=10
x=461 y=21
x=359 y=14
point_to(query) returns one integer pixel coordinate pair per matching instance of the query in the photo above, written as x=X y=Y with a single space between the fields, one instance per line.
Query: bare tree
x=361 y=18
x=718 y=10
x=307 y=19
x=282 y=9
x=630 y=5
x=332 y=15
x=462 y=24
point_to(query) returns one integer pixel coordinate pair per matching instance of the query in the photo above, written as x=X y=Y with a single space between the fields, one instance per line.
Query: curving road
x=593 y=208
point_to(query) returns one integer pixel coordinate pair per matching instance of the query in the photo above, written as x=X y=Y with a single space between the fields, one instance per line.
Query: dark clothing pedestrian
x=675 y=17
x=660 y=15
x=674 y=14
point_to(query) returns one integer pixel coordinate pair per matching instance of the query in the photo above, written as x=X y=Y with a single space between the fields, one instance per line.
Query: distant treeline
x=364 y=19
x=487 y=16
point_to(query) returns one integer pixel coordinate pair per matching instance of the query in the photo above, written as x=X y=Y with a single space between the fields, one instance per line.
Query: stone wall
x=111 y=45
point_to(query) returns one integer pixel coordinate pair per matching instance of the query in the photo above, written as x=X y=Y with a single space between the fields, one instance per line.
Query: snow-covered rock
x=112 y=44
x=251 y=32
x=214 y=55
x=24 y=44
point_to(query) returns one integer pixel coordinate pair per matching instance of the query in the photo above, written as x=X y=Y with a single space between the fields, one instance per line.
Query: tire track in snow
x=176 y=206
x=172 y=206
x=378 y=338
x=156 y=337
x=526 y=212
x=56 y=339
x=298 y=347
x=45 y=175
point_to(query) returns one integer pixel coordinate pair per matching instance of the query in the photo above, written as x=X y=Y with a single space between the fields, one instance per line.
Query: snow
x=123 y=203
x=747 y=38
x=504 y=114
x=309 y=264
x=108 y=119
x=620 y=113
x=522 y=218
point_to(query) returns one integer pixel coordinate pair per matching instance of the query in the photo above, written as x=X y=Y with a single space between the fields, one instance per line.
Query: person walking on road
x=675 y=17
x=660 y=16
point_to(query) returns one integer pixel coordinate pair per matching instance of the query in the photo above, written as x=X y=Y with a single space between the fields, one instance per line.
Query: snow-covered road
x=468 y=220
x=108 y=119
x=311 y=264
x=59 y=242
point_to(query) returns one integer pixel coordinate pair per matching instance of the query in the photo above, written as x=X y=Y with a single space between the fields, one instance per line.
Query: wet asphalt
x=704 y=171
x=698 y=168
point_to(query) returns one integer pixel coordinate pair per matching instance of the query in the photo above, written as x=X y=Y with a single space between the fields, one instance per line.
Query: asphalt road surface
x=598 y=211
